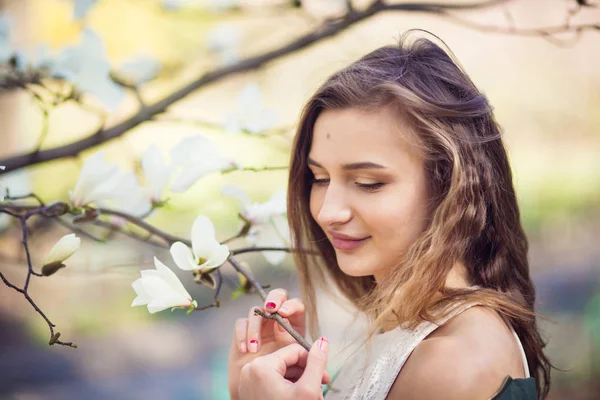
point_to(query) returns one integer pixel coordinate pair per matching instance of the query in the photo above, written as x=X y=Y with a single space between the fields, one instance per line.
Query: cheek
x=399 y=219
x=315 y=201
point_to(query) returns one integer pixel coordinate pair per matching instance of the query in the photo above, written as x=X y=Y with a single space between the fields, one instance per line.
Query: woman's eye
x=315 y=181
x=370 y=186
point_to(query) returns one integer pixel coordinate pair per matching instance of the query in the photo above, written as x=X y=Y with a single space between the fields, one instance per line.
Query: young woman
x=400 y=183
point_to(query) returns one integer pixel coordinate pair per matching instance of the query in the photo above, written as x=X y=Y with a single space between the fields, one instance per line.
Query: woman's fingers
x=316 y=364
x=275 y=299
x=293 y=361
x=254 y=328
x=291 y=307
x=241 y=330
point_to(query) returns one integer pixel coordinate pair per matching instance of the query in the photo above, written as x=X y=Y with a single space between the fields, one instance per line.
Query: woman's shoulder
x=469 y=357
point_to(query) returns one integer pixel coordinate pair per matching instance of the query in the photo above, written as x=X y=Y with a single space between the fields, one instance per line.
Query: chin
x=355 y=268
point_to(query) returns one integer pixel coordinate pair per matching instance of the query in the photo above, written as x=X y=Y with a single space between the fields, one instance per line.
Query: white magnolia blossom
x=206 y=254
x=195 y=157
x=18 y=182
x=129 y=197
x=156 y=173
x=249 y=114
x=139 y=69
x=63 y=249
x=97 y=181
x=86 y=66
x=6 y=49
x=268 y=223
x=160 y=289
x=224 y=39
x=81 y=8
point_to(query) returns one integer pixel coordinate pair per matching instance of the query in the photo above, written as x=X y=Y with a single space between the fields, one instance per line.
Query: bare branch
x=327 y=30
x=144 y=225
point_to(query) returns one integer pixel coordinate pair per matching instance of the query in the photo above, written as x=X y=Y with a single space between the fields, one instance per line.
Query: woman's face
x=369 y=193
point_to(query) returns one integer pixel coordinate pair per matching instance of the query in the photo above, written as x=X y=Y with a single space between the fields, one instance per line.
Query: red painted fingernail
x=253 y=346
x=323 y=343
x=270 y=305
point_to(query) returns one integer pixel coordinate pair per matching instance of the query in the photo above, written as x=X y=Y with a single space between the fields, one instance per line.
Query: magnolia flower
x=129 y=197
x=97 y=181
x=82 y=7
x=224 y=39
x=17 y=183
x=249 y=115
x=63 y=249
x=86 y=66
x=161 y=289
x=139 y=69
x=268 y=224
x=206 y=254
x=156 y=173
x=196 y=157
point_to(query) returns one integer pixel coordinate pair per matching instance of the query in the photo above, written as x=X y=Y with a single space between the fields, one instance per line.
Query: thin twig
x=257 y=285
x=51 y=326
x=144 y=225
x=325 y=31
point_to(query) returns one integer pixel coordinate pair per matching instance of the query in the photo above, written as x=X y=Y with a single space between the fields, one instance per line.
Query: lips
x=345 y=242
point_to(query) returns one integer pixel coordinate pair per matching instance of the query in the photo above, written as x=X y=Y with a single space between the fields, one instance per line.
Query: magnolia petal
x=128 y=195
x=191 y=149
x=280 y=223
x=188 y=176
x=95 y=172
x=170 y=277
x=268 y=236
x=217 y=258
x=142 y=297
x=237 y=193
x=203 y=237
x=63 y=249
x=105 y=189
x=160 y=289
x=183 y=256
x=156 y=172
x=163 y=303
x=278 y=202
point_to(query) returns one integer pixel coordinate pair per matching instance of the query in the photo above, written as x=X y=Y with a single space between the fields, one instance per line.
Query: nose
x=335 y=209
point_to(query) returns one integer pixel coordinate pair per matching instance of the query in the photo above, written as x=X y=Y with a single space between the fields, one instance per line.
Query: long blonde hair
x=474 y=219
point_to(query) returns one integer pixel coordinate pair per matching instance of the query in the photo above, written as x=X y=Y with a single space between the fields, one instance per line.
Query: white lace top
x=371 y=379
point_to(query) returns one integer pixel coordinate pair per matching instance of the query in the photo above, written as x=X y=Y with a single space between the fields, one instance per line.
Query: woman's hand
x=290 y=373
x=256 y=336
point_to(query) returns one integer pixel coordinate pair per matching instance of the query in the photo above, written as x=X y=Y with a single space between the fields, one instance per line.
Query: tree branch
x=329 y=29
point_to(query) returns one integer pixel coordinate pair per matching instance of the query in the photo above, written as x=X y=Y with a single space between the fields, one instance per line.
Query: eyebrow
x=351 y=166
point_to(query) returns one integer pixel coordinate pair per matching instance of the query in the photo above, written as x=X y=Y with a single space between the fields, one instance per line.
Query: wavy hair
x=474 y=216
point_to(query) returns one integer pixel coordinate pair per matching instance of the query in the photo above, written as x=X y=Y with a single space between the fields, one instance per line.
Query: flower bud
x=50 y=269
x=62 y=250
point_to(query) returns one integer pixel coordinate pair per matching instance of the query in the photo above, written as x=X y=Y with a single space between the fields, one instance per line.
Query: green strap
x=517 y=389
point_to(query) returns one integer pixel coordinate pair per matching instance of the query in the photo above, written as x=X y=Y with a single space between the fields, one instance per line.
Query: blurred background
x=546 y=94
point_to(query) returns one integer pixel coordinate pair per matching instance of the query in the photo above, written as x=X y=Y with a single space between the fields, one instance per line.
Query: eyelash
x=366 y=186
